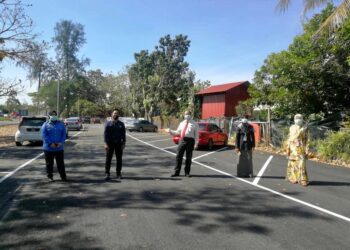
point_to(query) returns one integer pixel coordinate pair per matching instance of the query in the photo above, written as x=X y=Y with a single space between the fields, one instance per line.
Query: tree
x=329 y=25
x=171 y=78
x=310 y=77
x=17 y=40
x=69 y=38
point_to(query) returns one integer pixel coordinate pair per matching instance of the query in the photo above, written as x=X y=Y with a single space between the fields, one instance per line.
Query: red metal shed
x=221 y=100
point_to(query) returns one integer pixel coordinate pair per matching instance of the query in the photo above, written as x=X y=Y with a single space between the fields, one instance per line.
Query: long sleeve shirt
x=53 y=132
x=114 y=132
x=191 y=131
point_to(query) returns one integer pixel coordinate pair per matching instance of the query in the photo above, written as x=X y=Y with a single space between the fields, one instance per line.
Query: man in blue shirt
x=53 y=133
x=114 y=138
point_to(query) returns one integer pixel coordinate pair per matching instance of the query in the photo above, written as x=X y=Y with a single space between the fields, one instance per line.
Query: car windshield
x=201 y=126
x=33 y=121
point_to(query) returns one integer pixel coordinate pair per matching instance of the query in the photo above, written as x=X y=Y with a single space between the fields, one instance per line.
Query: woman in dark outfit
x=245 y=144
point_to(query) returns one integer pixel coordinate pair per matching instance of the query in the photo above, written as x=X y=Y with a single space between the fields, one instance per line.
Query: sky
x=230 y=39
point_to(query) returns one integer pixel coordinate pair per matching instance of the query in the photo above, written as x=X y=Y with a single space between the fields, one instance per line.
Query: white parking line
x=262 y=170
x=171 y=147
x=221 y=149
x=162 y=140
x=339 y=216
x=145 y=137
x=28 y=162
x=5 y=172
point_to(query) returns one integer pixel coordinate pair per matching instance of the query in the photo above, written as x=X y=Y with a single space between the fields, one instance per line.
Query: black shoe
x=119 y=177
x=50 y=178
x=188 y=175
x=64 y=179
x=107 y=177
x=174 y=175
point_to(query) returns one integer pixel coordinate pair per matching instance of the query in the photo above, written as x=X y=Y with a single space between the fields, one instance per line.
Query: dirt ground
x=7 y=135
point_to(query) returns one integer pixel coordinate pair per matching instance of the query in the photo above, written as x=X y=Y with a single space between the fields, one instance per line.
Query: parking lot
x=150 y=210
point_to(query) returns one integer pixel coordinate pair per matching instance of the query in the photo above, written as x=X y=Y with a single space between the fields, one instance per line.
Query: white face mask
x=53 y=118
x=187 y=117
x=298 y=122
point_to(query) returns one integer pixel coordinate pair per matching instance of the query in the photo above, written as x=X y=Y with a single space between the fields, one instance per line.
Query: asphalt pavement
x=148 y=209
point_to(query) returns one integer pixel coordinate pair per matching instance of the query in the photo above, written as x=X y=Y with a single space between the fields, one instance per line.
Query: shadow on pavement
x=45 y=209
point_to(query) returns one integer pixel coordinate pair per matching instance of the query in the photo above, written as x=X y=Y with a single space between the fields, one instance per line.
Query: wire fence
x=274 y=133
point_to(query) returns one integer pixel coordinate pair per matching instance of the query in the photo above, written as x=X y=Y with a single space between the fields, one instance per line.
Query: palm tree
x=335 y=20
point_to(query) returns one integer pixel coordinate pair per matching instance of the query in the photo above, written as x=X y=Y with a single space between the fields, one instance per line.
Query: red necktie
x=184 y=130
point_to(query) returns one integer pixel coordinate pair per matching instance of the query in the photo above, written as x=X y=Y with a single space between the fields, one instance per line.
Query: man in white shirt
x=188 y=131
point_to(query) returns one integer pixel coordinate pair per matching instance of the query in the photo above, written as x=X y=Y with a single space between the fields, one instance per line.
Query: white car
x=73 y=123
x=29 y=129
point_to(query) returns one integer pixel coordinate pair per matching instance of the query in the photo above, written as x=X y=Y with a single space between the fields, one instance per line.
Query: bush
x=336 y=146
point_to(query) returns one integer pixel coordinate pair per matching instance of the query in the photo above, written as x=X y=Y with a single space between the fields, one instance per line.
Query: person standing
x=53 y=133
x=188 y=131
x=245 y=144
x=114 y=138
x=297 y=151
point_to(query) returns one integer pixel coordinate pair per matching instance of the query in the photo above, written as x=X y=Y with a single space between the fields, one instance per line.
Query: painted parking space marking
x=30 y=161
x=145 y=137
x=171 y=147
x=5 y=172
x=200 y=156
x=339 y=216
x=262 y=170
x=161 y=140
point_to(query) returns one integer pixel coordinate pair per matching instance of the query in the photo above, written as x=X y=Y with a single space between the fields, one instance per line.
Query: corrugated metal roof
x=220 y=88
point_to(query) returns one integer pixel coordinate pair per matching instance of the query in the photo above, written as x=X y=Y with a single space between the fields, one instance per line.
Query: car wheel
x=18 y=143
x=210 y=144
x=225 y=142
x=78 y=129
x=155 y=130
x=141 y=129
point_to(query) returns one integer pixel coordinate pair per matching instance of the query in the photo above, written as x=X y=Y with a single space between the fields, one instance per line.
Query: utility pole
x=58 y=98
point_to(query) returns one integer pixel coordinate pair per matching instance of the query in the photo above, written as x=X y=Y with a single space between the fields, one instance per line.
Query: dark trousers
x=49 y=158
x=185 y=144
x=117 y=149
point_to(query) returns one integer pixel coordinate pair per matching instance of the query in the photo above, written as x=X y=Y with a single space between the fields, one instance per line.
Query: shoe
x=188 y=175
x=174 y=175
x=119 y=177
x=50 y=178
x=107 y=177
x=64 y=179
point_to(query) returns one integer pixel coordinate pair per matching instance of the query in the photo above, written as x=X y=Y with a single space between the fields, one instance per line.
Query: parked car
x=95 y=120
x=73 y=123
x=29 y=129
x=209 y=135
x=141 y=126
x=86 y=119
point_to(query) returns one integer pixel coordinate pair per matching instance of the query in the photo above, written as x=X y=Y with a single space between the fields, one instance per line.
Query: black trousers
x=185 y=144
x=117 y=149
x=49 y=159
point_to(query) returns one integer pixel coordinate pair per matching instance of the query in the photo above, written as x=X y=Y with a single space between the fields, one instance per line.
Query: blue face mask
x=53 y=118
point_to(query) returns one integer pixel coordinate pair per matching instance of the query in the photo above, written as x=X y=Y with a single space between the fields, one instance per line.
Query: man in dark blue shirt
x=114 y=137
x=53 y=133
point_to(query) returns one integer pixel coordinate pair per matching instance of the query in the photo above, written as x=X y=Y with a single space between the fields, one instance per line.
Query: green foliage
x=310 y=77
x=69 y=38
x=335 y=146
x=160 y=81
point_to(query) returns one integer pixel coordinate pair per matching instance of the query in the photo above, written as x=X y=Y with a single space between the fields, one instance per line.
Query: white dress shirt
x=191 y=131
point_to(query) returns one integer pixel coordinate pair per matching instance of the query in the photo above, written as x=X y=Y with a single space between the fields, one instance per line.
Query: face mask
x=187 y=117
x=298 y=122
x=53 y=118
